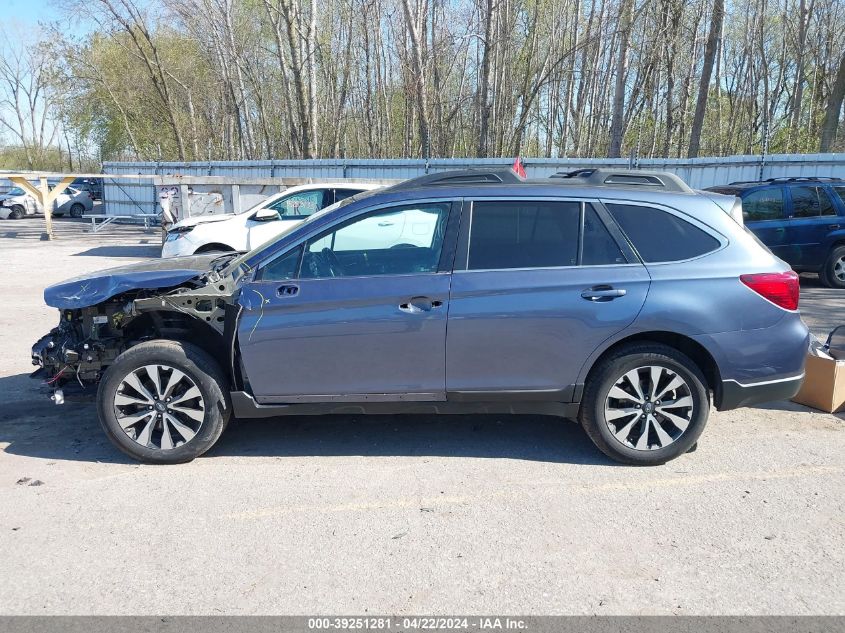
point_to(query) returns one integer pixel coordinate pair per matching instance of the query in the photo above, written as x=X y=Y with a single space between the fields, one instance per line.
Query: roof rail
x=801 y=179
x=633 y=178
x=461 y=177
x=788 y=179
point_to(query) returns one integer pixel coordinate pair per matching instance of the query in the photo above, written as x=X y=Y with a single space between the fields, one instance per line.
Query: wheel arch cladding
x=696 y=352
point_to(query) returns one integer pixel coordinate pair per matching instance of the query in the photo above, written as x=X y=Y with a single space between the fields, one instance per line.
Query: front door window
x=300 y=205
x=401 y=240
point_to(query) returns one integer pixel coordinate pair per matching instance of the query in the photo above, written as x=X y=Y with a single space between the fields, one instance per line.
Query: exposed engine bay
x=88 y=339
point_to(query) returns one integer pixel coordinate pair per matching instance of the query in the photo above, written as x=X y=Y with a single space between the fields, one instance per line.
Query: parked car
x=253 y=227
x=93 y=186
x=17 y=203
x=627 y=307
x=802 y=220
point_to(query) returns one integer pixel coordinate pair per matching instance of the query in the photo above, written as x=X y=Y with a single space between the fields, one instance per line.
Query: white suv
x=251 y=228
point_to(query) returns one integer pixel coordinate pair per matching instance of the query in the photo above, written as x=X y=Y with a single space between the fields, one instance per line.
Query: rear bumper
x=759 y=365
x=735 y=394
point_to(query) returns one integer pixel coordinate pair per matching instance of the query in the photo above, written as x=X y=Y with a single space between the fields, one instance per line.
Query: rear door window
x=523 y=234
x=342 y=194
x=763 y=204
x=511 y=234
x=659 y=236
x=600 y=249
x=840 y=191
x=811 y=202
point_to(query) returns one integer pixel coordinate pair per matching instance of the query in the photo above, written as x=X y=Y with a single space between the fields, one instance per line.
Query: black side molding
x=245 y=406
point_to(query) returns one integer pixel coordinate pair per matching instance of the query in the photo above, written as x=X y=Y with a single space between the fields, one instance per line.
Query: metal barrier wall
x=127 y=197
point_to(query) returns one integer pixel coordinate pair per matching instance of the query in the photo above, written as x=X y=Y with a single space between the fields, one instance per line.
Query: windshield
x=239 y=262
x=16 y=191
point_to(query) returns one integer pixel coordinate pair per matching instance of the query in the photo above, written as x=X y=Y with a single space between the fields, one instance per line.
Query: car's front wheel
x=17 y=212
x=645 y=404
x=163 y=402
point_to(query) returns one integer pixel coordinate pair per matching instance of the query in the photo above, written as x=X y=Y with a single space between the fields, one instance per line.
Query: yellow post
x=44 y=196
x=47 y=205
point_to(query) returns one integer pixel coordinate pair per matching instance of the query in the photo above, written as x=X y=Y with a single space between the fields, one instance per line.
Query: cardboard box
x=824 y=384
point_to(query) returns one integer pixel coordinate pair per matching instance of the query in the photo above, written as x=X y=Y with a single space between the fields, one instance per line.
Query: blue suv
x=622 y=299
x=802 y=220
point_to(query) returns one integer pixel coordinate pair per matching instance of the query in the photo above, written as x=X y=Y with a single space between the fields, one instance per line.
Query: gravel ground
x=400 y=514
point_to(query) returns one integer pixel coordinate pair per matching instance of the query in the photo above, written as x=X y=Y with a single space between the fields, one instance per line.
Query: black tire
x=213 y=248
x=610 y=370
x=76 y=210
x=17 y=212
x=827 y=274
x=199 y=367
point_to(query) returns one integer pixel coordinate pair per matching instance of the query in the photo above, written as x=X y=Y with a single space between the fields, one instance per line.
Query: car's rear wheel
x=163 y=402
x=832 y=273
x=76 y=210
x=645 y=404
x=17 y=212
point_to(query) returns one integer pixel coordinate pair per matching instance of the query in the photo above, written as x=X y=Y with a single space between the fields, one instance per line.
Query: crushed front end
x=103 y=315
x=84 y=342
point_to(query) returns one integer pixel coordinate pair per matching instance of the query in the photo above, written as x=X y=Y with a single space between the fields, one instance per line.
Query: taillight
x=782 y=289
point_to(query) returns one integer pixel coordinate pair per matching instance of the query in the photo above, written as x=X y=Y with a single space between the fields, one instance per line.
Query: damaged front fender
x=104 y=314
x=91 y=289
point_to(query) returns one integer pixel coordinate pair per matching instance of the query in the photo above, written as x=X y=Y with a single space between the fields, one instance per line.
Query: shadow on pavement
x=794 y=407
x=33 y=426
x=133 y=250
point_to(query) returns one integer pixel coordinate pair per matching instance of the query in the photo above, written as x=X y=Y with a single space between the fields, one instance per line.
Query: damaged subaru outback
x=624 y=300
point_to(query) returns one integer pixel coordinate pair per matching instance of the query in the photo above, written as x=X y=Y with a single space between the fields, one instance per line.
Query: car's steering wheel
x=335 y=268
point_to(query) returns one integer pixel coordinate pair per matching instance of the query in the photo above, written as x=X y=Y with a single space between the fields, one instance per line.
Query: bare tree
x=25 y=94
x=830 y=124
x=626 y=14
x=710 y=49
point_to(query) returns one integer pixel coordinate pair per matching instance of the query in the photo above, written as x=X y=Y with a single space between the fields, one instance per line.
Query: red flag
x=518 y=168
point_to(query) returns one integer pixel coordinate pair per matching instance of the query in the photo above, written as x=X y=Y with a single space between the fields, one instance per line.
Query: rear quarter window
x=659 y=236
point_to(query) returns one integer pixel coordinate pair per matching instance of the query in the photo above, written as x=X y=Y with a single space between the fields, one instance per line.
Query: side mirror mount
x=266 y=215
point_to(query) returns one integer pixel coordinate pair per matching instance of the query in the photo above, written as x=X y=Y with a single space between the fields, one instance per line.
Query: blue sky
x=31 y=11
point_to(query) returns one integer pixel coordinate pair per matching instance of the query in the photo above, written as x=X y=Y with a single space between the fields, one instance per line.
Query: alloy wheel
x=839 y=269
x=649 y=408
x=159 y=407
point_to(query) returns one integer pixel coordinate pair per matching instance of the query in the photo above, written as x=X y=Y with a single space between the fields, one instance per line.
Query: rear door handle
x=288 y=290
x=603 y=293
x=833 y=227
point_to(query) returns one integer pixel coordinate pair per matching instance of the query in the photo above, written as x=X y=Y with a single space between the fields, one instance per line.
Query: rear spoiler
x=732 y=205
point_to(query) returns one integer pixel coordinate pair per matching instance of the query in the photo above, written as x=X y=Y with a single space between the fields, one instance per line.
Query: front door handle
x=833 y=227
x=415 y=305
x=288 y=290
x=603 y=293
